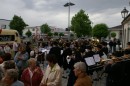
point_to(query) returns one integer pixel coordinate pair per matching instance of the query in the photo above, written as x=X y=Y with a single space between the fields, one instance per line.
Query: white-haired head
x=80 y=66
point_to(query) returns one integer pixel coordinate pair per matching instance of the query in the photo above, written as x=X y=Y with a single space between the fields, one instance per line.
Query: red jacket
x=36 y=78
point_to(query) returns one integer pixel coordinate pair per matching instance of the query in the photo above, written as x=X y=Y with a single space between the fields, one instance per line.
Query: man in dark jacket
x=57 y=52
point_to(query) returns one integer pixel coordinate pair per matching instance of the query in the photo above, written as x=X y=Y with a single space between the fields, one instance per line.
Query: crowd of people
x=20 y=64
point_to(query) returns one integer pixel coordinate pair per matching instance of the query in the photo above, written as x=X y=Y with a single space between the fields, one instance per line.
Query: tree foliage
x=81 y=24
x=61 y=34
x=18 y=24
x=113 y=34
x=45 y=29
x=28 y=33
x=71 y=35
x=55 y=33
x=100 y=30
x=50 y=34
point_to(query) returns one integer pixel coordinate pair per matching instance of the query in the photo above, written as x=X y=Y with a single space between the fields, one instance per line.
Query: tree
x=100 y=30
x=113 y=34
x=45 y=29
x=50 y=34
x=71 y=35
x=81 y=25
x=18 y=24
x=55 y=33
x=28 y=33
x=61 y=34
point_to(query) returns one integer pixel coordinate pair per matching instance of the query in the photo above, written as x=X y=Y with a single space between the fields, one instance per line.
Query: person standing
x=32 y=75
x=21 y=58
x=11 y=78
x=15 y=47
x=82 y=78
x=119 y=43
x=111 y=45
x=57 y=52
x=7 y=48
x=53 y=72
x=114 y=45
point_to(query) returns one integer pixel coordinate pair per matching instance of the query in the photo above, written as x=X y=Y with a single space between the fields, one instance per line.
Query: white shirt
x=15 y=46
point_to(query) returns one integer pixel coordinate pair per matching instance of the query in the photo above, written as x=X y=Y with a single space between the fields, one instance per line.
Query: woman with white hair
x=32 y=75
x=80 y=72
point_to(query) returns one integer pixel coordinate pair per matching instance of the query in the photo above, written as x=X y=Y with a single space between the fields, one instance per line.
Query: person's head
x=7 y=56
x=22 y=48
x=126 y=53
x=32 y=54
x=55 y=43
x=98 y=47
x=128 y=44
x=51 y=59
x=79 y=67
x=10 y=77
x=32 y=63
x=9 y=65
x=88 y=48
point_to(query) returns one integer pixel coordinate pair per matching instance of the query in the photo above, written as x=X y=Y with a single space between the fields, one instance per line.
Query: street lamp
x=124 y=14
x=68 y=4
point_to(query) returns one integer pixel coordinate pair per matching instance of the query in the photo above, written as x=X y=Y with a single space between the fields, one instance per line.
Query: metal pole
x=123 y=39
x=69 y=20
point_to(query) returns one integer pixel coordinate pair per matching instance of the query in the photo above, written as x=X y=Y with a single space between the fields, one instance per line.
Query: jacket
x=36 y=77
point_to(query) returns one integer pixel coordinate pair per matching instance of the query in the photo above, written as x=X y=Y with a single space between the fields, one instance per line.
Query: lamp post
x=124 y=14
x=68 y=4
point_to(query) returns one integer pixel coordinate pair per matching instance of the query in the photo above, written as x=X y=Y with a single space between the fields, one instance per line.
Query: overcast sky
x=52 y=12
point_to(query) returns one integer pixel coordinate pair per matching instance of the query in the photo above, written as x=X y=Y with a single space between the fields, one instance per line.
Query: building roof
x=119 y=27
x=5 y=19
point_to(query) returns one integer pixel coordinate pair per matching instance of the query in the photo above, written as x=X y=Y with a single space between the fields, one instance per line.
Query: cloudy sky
x=52 y=12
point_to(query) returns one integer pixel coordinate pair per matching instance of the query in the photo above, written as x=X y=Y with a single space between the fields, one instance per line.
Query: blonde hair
x=31 y=60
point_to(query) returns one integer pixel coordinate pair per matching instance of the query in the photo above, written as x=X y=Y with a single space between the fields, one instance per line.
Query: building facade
x=4 y=24
x=117 y=30
x=126 y=30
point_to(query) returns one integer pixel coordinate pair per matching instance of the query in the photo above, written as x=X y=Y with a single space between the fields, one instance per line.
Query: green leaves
x=28 y=33
x=61 y=34
x=18 y=24
x=100 y=30
x=55 y=33
x=81 y=25
x=45 y=29
x=113 y=34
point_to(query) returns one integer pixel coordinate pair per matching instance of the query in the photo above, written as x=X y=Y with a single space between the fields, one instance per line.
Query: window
x=7 y=38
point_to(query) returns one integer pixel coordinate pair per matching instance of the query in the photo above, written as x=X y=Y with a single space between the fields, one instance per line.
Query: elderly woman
x=11 y=78
x=80 y=72
x=10 y=64
x=53 y=73
x=21 y=58
x=32 y=75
